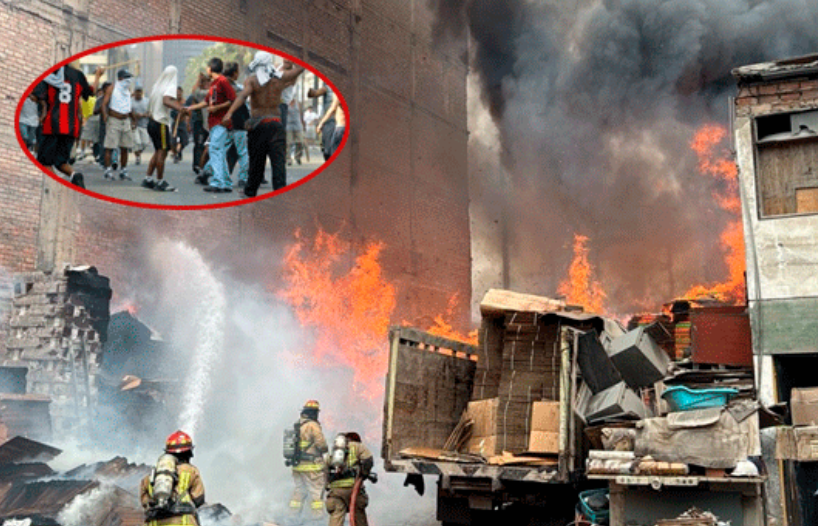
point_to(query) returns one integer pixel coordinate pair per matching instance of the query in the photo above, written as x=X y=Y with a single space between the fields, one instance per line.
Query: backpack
x=292 y=445
x=163 y=481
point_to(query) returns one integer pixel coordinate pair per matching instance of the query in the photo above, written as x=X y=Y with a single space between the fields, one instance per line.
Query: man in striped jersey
x=61 y=92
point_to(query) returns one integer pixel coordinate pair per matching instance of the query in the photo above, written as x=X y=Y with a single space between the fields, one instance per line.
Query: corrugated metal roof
x=43 y=498
x=21 y=449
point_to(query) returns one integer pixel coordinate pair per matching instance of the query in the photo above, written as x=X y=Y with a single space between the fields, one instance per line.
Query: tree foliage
x=227 y=52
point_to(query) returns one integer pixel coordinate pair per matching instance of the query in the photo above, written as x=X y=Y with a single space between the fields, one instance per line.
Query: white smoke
x=88 y=507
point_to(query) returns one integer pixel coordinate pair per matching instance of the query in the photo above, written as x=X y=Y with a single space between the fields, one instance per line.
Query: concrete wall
x=402 y=178
x=781 y=252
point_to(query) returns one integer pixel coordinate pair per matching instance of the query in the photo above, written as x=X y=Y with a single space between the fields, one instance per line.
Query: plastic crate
x=596 y=517
x=682 y=398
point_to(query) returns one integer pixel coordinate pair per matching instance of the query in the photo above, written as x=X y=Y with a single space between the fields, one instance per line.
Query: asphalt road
x=179 y=175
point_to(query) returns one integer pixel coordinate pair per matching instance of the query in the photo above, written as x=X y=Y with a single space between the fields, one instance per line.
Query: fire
x=441 y=327
x=716 y=162
x=349 y=310
x=580 y=288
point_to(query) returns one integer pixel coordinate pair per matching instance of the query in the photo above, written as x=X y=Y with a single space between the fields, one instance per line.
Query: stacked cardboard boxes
x=545 y=434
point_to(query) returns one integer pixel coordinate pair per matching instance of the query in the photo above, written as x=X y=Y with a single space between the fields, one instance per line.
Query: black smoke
x=596 y=103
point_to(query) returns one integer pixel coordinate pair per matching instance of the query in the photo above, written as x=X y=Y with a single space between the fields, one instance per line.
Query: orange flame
x=348 y=310
x=717 y=163
x=441 y=327
x=580 y=288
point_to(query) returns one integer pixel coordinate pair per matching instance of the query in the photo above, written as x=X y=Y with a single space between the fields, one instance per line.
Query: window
x=786 y=150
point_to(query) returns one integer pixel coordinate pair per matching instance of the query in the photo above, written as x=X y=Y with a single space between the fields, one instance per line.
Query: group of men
x=337 y=473
x=246 y=124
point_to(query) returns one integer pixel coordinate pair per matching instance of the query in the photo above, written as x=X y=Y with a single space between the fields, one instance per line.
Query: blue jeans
x=239 y=140
x=218 y=157
x=29 y=134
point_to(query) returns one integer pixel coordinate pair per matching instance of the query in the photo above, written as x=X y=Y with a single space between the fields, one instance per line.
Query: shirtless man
x=266 y=135
x=335 y=112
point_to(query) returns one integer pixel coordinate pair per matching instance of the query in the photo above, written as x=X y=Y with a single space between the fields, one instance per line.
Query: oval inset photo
x=182 y=122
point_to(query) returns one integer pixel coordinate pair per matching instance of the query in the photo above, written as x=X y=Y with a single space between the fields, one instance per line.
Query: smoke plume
x=596 y=102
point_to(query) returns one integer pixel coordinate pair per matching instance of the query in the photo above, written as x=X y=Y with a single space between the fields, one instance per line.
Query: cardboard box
x=484 y=446
x=544 y=442
x=797 y=443
x=484 y=414
x=804 y=406
x=546 y=416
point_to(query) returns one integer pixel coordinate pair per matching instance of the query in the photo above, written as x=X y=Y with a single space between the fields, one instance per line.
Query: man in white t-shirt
x=119 y=121
x=162 y=100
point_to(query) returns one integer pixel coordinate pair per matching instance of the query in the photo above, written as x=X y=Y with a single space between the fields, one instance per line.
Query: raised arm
x=290 y=75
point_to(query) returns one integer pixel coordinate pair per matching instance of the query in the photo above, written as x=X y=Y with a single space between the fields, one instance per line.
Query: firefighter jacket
x=358 y=457
x=189 y=492
x=312 y=446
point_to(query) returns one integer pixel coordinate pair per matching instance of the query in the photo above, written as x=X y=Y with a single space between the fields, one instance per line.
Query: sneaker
x=212 y=189
x=148 y=183
x=164 y=186
x=197 y=170
x=109 y=174
x=114 y=165
x=123 y=176
x=201 y=179
x=227 y=190
x=77 y=180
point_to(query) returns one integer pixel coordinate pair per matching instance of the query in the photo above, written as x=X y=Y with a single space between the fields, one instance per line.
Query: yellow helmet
x=311 y=405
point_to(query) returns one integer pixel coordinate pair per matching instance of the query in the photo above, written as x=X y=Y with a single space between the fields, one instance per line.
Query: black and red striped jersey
x=63 y=112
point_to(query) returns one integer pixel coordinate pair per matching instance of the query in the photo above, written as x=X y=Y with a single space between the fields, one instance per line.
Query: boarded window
x=787 y=163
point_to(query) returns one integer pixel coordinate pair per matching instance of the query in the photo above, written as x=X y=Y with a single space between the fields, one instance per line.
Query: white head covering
x=262 y=66
x=56 y=79
x=165 y=85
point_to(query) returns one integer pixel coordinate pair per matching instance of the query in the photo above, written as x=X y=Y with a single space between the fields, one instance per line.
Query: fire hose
x=354 y=498
x=359 y=480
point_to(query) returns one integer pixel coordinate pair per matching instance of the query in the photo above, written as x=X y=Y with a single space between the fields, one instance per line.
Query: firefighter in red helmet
x=173 y=490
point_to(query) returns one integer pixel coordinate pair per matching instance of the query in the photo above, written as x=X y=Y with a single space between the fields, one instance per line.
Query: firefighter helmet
x=178 y=442
x=311 y=405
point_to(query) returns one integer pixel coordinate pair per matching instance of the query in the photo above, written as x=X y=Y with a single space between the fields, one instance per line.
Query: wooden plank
x=498 y=302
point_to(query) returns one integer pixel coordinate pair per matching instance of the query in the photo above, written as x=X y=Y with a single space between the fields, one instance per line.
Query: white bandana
x=56 y=79
x=262 y=66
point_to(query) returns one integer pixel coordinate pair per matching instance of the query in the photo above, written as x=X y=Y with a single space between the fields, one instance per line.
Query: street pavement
x=179 y=175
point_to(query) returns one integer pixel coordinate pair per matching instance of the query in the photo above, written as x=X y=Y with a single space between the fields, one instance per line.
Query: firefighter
x=173 y=491
x=308 y=469
x=349 y=465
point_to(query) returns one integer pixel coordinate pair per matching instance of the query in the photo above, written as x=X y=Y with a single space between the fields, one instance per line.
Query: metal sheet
x=21 y=449
x=721 y=335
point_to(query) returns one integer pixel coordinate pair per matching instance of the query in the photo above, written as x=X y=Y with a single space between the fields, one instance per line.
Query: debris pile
x=58 y=323
x=101 y=494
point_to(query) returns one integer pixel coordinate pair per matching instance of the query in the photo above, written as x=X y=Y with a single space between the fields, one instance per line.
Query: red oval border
x=211 y=38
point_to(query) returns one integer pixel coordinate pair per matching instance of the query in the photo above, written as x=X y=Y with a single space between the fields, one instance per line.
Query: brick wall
x=402 y=178
x=760 y=99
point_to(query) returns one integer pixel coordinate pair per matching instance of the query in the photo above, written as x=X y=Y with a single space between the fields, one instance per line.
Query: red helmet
x=178 y=442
